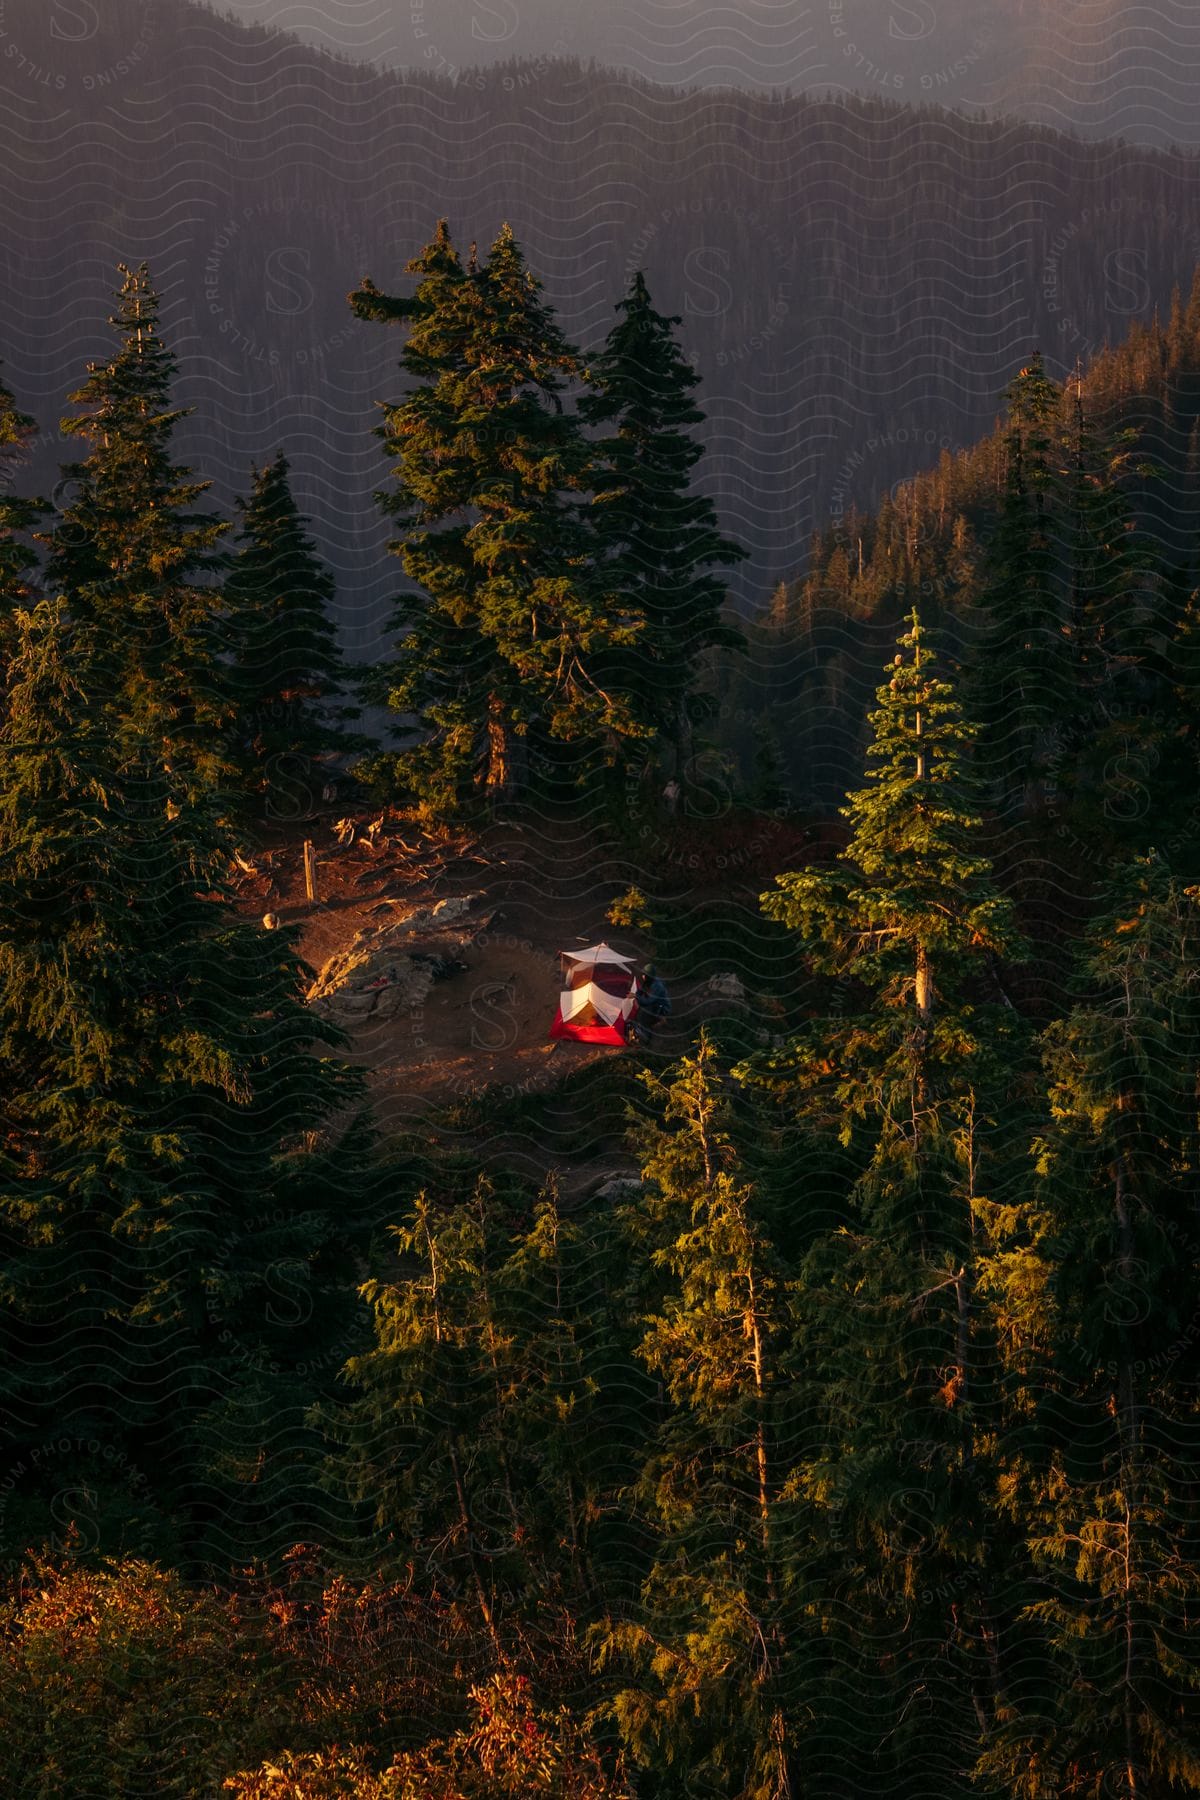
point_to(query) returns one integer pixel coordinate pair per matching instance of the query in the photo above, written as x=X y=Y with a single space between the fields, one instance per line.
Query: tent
x=599 y=996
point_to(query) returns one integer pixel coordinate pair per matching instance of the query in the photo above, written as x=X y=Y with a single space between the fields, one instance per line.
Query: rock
x=405 y=992
x=270 y=921
x=728 y=987
x=617 y=1186
x=349 y=1006
x=378 y=985
x=426 y=918
x=383 y=974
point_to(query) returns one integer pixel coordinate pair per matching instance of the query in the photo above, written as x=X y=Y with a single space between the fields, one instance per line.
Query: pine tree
x=1118 y=768
x=138 y=565
x=715 y=1690
x=1100 y=1472
x=163 y=1111
x=663 y=539
x=17 y=515
x=440 y=675
x=481 y=1439
x=574 y=1428
x=915 y=906
x=769 y=791
x=545 y=603
x=1184 y=664
x=899 y=1386
x=1022 y=685
x=288 y=669
x=515 y=621
x=423 y=1441
x=1110 y=573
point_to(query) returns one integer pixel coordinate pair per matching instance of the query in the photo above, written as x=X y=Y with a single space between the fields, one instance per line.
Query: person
x=654 y=1002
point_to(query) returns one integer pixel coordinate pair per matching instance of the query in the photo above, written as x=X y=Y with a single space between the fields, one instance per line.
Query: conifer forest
x=599 y=900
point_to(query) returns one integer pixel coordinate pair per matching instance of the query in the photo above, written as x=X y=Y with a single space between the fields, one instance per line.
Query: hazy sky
x=1129 y=66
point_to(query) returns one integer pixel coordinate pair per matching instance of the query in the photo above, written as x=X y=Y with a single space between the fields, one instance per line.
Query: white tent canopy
x=599 y=953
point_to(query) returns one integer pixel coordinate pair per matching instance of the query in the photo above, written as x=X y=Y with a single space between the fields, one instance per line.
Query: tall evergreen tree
x=544 y=601
x=509 y=637
x=1184 y=667
x=424 y=1438
x=915 y=908
x=288 y=669
x=712 y=1691
x=157 y=1048
x=165 y=1120
x=137 y=564
x=1023 y=683
x=481 y=1438
x=575 y=1429
x=439 y=680
x=664 y=540
x=17 y=515
x=1119 y=768
x=1100 y=1471
x=899 y=1388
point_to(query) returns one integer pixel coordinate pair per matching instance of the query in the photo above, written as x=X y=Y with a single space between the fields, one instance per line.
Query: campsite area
x=437 y=951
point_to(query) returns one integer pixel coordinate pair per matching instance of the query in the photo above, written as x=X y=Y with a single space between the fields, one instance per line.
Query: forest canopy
x=795 y=1397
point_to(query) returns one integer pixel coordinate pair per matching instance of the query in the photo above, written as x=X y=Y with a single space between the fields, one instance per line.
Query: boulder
x=380 y=984
x=383 y=974
x=617 y=1186
x=728 y=987
x=454 y=906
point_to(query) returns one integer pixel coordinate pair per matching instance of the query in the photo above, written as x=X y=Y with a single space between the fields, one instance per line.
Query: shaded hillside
x=856 y=280
x=1101 y=67
x=817 y=648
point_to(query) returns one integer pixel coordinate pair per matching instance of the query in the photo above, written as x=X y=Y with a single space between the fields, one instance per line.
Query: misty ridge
x=1103 y=68
x=857 y=279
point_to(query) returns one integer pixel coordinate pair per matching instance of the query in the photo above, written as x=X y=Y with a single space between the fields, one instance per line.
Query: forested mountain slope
x=1102 y=67
x=856 y=280
x=816 y=648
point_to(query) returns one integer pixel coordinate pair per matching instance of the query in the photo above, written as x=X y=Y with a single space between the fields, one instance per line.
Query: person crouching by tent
x=654 y=1002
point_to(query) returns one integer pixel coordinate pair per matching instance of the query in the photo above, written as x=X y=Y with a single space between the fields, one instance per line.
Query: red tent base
x=588 y=1034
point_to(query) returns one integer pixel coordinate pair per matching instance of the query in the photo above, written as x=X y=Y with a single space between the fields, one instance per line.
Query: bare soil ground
x=535 y=889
